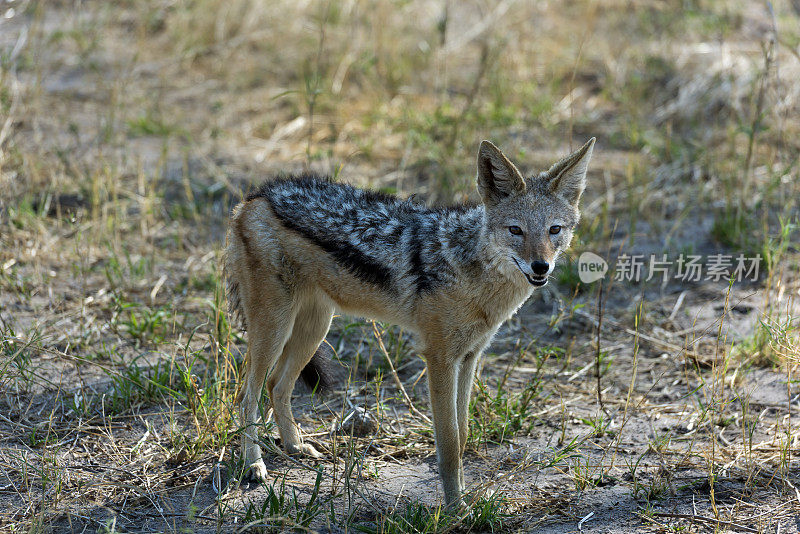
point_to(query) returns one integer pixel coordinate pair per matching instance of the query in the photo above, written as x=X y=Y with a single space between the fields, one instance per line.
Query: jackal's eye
x=515 y=230
x=555 y=229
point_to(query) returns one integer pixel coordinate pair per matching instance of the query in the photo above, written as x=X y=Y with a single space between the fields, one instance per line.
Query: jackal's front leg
x=466 y=378
x=442 y=384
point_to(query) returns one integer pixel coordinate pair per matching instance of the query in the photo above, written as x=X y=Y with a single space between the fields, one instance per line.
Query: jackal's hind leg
x=266 y=336
x=310 y=327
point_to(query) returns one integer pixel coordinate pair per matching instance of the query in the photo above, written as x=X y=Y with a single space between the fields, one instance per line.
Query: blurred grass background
x=692 y=101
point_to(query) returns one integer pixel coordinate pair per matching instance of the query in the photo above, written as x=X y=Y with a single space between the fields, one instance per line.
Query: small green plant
x=489 y=514
x=562 y=456
x=486 y=514
x=784 y=338
x=149 y=125
x=774 y=341
x=736 y=230
x=414 y=518
x=501 y=415
x=282 y=510
x=650 y=488
x=40 y=437
x=146 y=325
x=17 y=367
x=584 y=474
x=604 y=361
x=123 y=269
x=657 y=487
x=134 y=385
x=775 y=248
x=599 y=424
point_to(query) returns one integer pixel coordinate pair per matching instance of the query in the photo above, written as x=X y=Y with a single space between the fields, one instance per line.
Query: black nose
x=540 y=267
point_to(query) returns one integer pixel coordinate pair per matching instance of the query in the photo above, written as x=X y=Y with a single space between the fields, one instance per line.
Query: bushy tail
x=319 y=374
x=235 y=313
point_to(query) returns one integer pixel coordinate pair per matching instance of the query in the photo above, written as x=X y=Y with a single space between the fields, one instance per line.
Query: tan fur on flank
x=302 y=247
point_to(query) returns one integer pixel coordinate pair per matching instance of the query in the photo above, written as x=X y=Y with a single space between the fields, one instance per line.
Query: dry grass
x=128 y=130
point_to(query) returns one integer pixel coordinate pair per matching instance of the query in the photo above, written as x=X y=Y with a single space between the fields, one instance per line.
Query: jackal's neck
x=464 y=238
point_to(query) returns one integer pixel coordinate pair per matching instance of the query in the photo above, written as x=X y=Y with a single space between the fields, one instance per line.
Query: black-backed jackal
x=301 y=247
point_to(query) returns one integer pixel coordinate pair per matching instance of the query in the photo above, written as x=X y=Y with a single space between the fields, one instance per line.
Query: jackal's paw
x=257 y=472
x=303 y=449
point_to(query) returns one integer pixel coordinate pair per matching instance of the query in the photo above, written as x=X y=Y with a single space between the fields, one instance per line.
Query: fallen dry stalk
x=704 y=519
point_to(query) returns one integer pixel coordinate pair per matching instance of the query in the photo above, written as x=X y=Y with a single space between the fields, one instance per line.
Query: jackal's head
x=530 y=221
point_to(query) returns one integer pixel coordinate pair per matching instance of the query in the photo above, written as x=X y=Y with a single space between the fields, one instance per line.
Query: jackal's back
x=379 y=238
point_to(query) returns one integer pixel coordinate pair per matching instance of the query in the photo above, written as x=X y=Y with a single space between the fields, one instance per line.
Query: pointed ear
x=568 y=177
x=497 y=176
